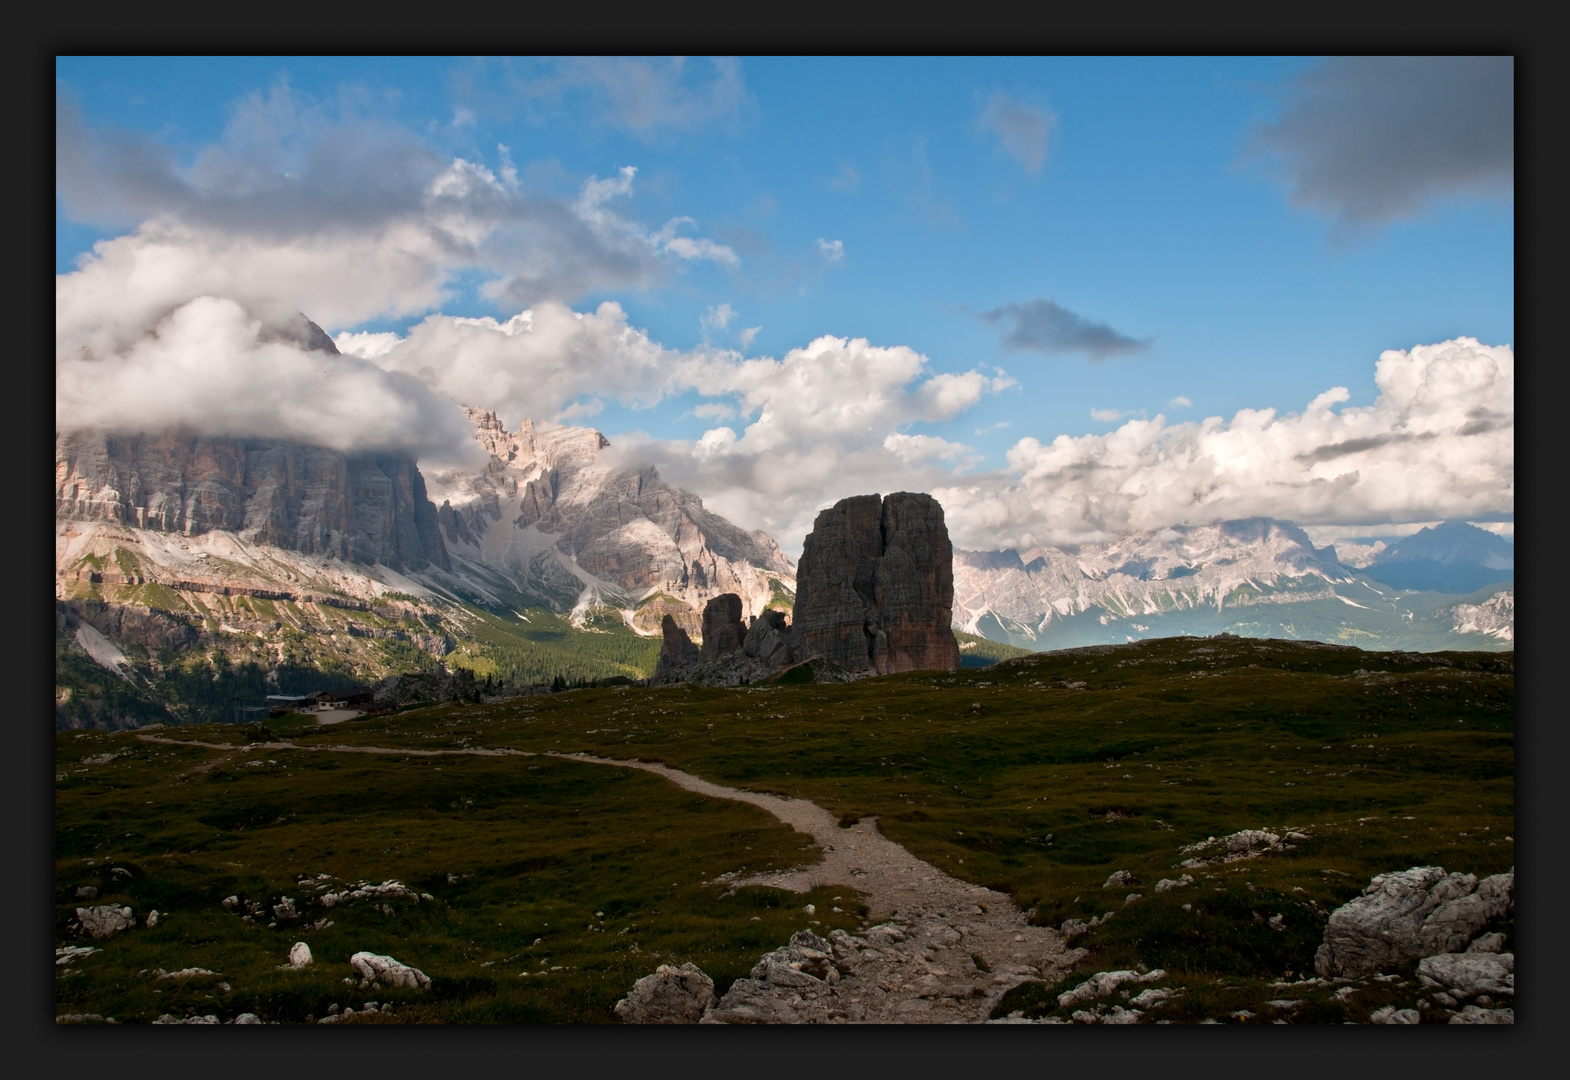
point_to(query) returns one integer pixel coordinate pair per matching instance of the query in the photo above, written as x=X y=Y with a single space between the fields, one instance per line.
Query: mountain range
x=1447 y=586
x=292 y=563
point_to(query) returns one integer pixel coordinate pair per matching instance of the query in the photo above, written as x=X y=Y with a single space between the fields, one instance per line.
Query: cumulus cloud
x=1107 y=416
x=831 y=250
x=302 y=207
x=1046 y=327
x=1021 y=129
x=646 y=97
x=214 y=368
x=1437 y=443
x=1180 y=402
x=1366 y=140
x=343 y=216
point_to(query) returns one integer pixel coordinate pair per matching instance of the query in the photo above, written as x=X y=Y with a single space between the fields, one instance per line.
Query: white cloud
x=342 y=216
x=1180 y=402
x=1022 y=129
x=746 y=336
x=714 y=410
x=1107 y=415
x=716 y=318
x=213 y=368
x=1437 y=443
x=831 y=250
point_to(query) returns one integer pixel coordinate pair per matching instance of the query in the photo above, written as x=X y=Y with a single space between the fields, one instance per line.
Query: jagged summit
x=573 y=527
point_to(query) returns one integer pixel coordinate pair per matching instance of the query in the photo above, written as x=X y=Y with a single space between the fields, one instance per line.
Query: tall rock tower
x=875 y=586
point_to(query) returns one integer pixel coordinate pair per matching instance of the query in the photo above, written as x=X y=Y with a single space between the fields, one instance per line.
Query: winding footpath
x=944 y=951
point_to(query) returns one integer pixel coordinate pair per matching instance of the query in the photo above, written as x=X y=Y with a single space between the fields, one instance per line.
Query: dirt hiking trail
x=944 y=950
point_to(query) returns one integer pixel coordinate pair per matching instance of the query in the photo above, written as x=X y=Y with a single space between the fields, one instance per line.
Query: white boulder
x=672 y=995
x=105 y=920
x=1407 y=915
x=300 y=955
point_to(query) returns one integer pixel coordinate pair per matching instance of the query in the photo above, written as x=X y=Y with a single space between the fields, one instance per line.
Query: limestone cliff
x=367 y=508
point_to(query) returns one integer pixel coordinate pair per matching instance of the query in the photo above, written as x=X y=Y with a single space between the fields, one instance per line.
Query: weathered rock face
x=768 y=640
x=677 y=653
x=366 y=508
x=727 y=658
x=875 y=586
x=672 y=995
x=723 y=630
x=1404 y=916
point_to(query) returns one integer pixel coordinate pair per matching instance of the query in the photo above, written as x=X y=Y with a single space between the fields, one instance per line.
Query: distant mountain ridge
x=1451 y=557
x=1256 y=577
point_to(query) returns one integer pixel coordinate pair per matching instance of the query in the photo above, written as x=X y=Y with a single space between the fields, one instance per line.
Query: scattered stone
x=300 y=955
x=1246 y=844
x=1167 y=884
x=1470 y=973
x=1410 y=914
x=68 y=953
x=166 y=1018
x=384 y=970
x=1120 y=877
x=1104 y=983
x=105 y=920
x=1392 y=1015
x=87 y=892
x=392 y=889
x=1149 y=999
x=231 y=903
x=246 y=1018
x=672 y=995
x=1119 y=1015
x=152 y=918
x=284 y=909
x=183 y=973
x=1474 y=1015
x=80 y=1018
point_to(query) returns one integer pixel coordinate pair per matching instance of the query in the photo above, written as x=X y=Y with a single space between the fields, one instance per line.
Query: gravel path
x=919 y=965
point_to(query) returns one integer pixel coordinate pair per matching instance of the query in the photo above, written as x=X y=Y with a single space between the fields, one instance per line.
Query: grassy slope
x=1009 y=777
x=535 y=848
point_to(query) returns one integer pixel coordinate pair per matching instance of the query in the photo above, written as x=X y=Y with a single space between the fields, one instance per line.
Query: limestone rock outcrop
x=678 y=654
x=723 y=630
x=1410 y=914
x=725 y=658
x=672 y=995
x=875 y=586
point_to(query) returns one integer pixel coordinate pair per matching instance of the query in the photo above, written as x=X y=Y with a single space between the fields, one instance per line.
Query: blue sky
x=1099 y=240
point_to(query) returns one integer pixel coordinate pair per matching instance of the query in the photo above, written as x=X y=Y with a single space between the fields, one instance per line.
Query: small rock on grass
x=1472 y=1014
x=300 y=955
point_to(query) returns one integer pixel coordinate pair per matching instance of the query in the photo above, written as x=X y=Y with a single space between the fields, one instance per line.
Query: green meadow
x=1039 y=776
